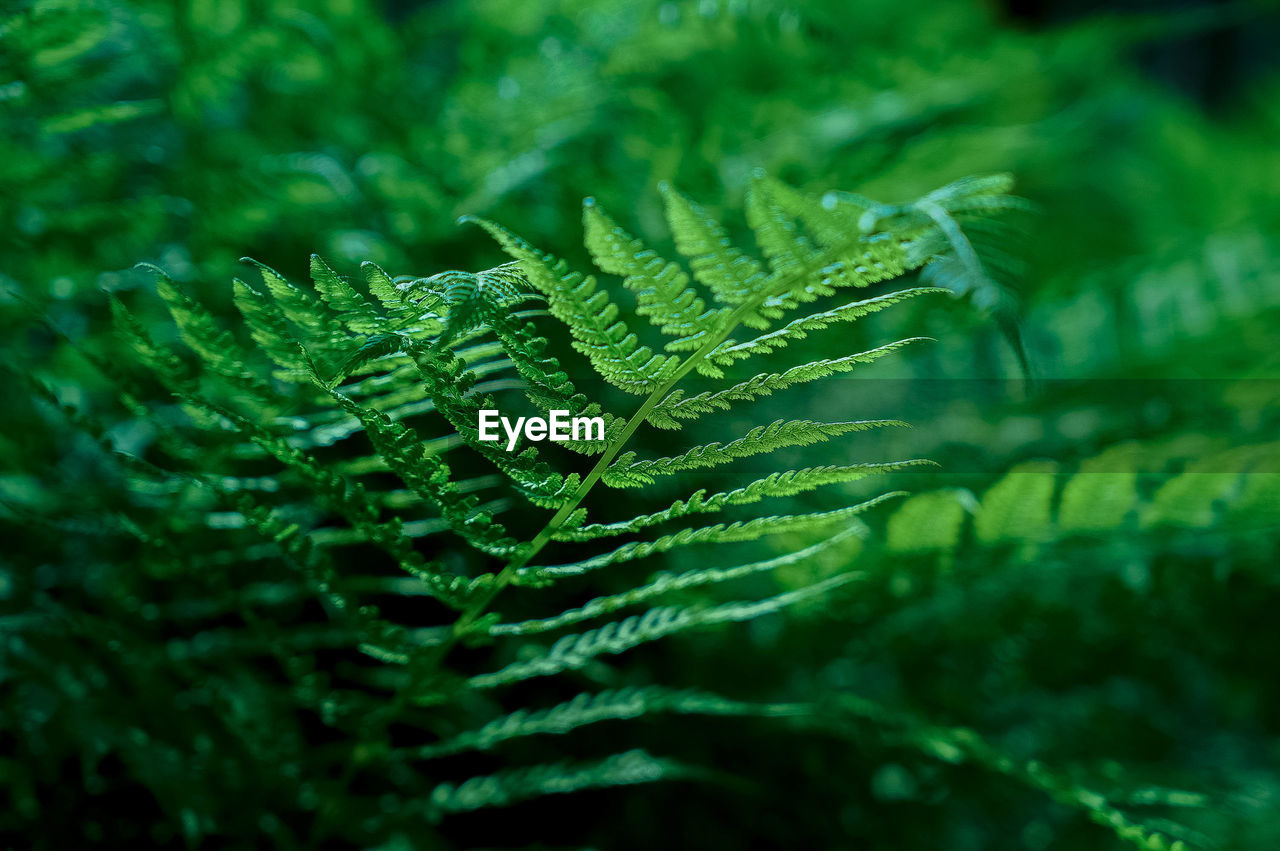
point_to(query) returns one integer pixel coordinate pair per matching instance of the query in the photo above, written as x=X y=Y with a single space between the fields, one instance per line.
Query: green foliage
x=1034 y=503
x=409 y=373
x=256 y=560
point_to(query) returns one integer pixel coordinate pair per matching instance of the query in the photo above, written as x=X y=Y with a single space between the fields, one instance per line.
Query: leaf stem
x=478 y=606
x=526 y=554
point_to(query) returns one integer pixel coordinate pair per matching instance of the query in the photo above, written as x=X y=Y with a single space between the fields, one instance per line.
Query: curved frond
x=626 y=471
x=586 y=709
x=662 y=289
x=676 y=407
x=364 y=432
x=575 y=651
x=732 y=276
x=789 y=483
x=589 y=313
x=521 y=784
x=719 y=533
x=664 y=583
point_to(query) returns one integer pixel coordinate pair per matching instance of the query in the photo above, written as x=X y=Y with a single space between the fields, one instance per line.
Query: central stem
x=526 y=554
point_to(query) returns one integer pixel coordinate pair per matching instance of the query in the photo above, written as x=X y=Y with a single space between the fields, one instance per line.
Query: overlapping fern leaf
x=351 y=426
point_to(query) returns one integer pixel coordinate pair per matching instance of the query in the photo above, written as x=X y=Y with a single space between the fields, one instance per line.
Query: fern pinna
x=362 y=435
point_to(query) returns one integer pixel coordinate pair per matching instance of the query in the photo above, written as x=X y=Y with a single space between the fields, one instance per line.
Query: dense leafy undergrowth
x=261 y=585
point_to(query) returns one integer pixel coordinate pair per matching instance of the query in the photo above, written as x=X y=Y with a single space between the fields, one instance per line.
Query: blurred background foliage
x=1088 y=580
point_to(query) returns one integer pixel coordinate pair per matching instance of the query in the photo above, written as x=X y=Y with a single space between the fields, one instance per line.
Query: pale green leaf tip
x=259 y=265
x=150 y=267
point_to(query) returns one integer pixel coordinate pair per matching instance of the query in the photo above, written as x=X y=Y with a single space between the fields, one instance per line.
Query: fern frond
x=215 y=346
x=664 y=583
x=778 y=235
x=312 y=318
x=352 y=308
x=347 y=499
x=376 y=347
x=850 y=255
x=392 y=298
x=444 y=347
x=515 y=785
x=676 y=407
x=351 y=502
x=428 y=476
x=574 y=651
x=1101 y=494
x=448 y=382
x=475 y=301
x=626 y=471
x=957 y=745
x=926 y=522
x=270 y=330
x=662 y=289
x=979 y=193
x=1017 y=507
x=719 y=533
x=729 y=351
x=592 y=318
x=586 y=709
x=548 y=386
x=417 y=311
x=161 y=360
x=789 y=483
x=732 y=276
x=950 y=225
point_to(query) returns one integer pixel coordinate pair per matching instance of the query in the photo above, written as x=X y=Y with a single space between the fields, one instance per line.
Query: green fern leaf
x=270 y=330
x=351 y=307
x=592 y=318
x=668 y=412
x=428 y=476
x=927 y=522
x=662 y=289
x=1016 y=508
x=719 y=533
x=586 y=709
x=665 y=583
x=729 y=351
x=216 y=346
x=316 y=323
x=574 y=651
x=789 y=483
x=778 y=234
x=509 y=787
x=626 y=471
x=398 y=381
x=731 y=275
x=1099 y=496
